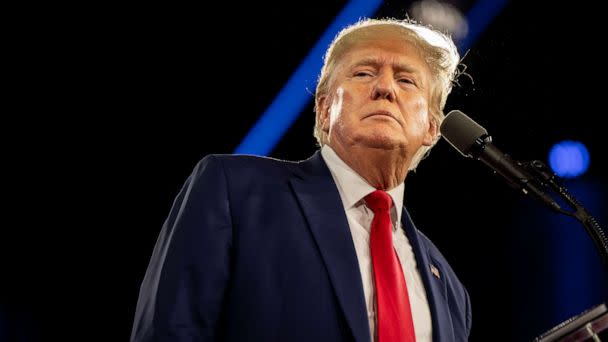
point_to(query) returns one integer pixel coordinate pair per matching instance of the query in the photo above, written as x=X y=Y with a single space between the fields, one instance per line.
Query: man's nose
x=384 y=88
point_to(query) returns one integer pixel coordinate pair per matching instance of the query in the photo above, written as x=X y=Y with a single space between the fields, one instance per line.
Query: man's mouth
x=382 y=113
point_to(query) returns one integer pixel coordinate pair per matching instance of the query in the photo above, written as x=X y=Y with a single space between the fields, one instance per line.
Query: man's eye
x=406 y=80
x=363 y=74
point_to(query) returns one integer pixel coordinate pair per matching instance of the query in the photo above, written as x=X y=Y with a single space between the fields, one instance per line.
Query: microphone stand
x=546 y=178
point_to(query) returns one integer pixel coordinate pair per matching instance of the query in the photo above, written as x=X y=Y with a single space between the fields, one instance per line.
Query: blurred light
x=294 y=96
x=569 y=159
x=479 y=17
x=442 y=16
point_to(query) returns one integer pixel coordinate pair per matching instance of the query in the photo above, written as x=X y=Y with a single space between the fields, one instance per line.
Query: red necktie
x=393 y=315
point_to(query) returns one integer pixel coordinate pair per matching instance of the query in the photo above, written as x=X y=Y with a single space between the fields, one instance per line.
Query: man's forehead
x=401 y=57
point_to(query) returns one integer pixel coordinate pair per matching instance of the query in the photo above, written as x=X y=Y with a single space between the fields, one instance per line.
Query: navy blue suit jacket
x=257 y=249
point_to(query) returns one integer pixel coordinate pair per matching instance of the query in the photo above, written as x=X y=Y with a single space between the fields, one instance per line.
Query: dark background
x=111 y=106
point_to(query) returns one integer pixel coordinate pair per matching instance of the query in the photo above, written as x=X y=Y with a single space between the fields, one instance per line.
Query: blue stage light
x=294 y=96
x=569 y=159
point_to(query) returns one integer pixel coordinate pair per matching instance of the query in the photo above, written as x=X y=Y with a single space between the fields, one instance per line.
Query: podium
x=590 y=325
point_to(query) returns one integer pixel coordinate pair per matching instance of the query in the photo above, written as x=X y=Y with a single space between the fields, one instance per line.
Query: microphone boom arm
x=543 y=174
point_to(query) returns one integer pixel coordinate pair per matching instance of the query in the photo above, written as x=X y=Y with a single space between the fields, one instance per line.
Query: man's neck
x=382 y=169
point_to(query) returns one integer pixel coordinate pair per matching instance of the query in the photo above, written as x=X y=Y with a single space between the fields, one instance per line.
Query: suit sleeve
x=469 y=316
x=182 y=294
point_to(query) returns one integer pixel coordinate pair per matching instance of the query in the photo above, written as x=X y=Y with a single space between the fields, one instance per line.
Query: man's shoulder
x=436 y=255
x=246 y=165
x=431 y=247
x=247 y=161
x=434 y=252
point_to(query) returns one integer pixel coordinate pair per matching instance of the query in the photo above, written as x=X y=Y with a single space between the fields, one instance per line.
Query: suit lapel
x=433 y=278
x=320 y=201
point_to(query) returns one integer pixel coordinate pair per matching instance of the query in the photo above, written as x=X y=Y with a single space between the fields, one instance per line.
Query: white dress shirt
x=353 y=188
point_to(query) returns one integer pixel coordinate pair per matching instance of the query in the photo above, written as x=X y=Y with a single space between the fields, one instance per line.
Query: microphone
x=473 y=141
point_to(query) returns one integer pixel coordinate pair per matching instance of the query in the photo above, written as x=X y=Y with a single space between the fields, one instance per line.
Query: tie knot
x=378 y=201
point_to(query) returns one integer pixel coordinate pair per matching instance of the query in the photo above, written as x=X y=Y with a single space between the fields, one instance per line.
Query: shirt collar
x=351 y=186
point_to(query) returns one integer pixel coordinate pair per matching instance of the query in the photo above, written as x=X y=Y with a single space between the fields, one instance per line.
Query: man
x=257 y=249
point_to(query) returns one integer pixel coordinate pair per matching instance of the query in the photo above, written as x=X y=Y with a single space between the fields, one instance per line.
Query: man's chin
x=380 y=141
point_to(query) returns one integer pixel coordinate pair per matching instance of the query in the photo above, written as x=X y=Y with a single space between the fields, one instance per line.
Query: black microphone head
x=461 y=131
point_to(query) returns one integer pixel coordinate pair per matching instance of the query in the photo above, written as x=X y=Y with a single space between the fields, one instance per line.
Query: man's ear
x=432 y=133
x=323 y=104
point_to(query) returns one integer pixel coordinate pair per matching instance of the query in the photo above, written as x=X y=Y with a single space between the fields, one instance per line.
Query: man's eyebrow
x=368 y=61
x=376 y=62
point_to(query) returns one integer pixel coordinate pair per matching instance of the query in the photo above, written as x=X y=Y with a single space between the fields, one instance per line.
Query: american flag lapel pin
x=435 y=271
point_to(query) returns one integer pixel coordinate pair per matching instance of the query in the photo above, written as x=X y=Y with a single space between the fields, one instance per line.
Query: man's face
x=379 y=98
